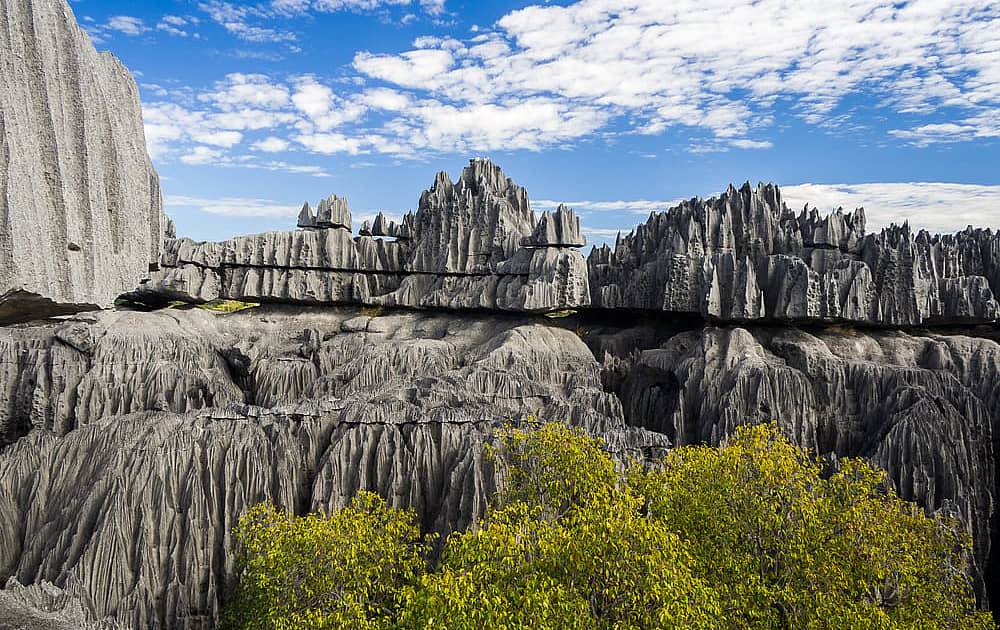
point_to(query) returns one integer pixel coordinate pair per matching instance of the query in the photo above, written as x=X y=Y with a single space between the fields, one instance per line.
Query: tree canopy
x=752 y=534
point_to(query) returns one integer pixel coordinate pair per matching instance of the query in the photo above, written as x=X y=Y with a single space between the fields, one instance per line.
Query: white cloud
x=934 y=206
x=271 y=144
x=329 y=143
x=718 y=65
x=236 y=19
x=232 y=206
x=253 y=90
x=218 y=138
x=242 y=20
x=177 y=25
x=201 y=155
x=551 y=76
x=743 y=143
x=127 y=24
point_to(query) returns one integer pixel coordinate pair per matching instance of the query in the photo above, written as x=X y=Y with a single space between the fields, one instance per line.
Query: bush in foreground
x=749 y=535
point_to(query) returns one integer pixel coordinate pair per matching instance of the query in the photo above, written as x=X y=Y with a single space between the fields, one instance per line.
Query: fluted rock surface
x=178 y=421
x=461 y=250
x=557 y=229
x=923 y=409
x=135 y=440
x=81 y=216
x=470 y=226
x=47 y=607
x=745 y=256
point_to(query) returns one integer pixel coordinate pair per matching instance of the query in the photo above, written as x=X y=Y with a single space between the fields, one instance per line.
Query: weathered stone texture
x=171 y=435
x=81 y=215
x=745 y=256
x=135 y=440
x=461 y=250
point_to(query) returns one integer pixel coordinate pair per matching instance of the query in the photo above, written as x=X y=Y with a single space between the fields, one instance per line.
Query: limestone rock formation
x=472 y=225
x=47 y=607
x=745 y=256
x=152 y=432
x=135 y=440
x=557 y=229
x=81 y=216
x=474 y=244
x=461 y=250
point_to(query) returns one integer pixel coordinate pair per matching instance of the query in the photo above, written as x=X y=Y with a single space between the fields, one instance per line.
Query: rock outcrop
x=461 y=250
x=131 y=442
x=744 y=256
x=81 y=216
x=171 y=424
x=741 y=257
x=135 y=440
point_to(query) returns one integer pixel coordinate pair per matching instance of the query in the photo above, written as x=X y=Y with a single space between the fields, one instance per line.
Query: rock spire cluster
x=462 y=249
x=131 y=441
x=475 y=244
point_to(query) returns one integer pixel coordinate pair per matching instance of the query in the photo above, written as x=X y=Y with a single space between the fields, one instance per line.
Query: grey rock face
x=135 y=440
x=459 y=251
x=81 y=216
x=46 y=607
x=745 y=256
x=333 y=213
x=923 y=409
x=557 y=229
x=168 y=436
x=472 y=225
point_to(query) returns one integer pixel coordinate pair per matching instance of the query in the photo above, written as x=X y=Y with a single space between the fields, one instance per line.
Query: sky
x=615 y=107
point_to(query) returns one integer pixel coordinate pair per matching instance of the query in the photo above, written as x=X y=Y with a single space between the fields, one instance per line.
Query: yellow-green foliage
x=341 y=571
x=373 y=311
x=227 y=306
x=750 y=535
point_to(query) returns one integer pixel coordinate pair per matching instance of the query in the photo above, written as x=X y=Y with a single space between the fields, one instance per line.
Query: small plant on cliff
x=749 y=535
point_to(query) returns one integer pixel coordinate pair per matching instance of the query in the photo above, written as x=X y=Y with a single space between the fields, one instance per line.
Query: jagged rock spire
x=333 y=213
x=306 y=217
x=557 y=229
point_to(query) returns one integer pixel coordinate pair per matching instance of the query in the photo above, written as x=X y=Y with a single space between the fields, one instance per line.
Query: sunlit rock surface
x=744 y=255
x=135 y=440
x=81 y=215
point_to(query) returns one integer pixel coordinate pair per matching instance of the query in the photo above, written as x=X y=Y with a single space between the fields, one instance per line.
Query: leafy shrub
x=748 y=535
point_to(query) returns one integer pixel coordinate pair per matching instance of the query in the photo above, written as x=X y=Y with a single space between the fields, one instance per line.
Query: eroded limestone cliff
x=81 y=216
x=135 y=440
x=131 y=441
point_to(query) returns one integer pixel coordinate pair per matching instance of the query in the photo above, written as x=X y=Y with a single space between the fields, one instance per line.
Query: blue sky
x=615 y=107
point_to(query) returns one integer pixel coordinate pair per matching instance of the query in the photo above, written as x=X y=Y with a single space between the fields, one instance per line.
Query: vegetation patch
x=749 y=535
x=227 y=306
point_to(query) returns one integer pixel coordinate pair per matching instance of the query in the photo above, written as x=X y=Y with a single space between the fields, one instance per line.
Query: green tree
x=341 y=571
x=788 y=547
x=748 y=535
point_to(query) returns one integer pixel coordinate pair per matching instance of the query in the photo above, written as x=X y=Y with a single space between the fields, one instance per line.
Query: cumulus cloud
x=127 y=24
x=201 y=155
x=232 y=206
x=934 y=206
x=271 y=145
x=717 y=65
x=717 y=72
x=251 y=90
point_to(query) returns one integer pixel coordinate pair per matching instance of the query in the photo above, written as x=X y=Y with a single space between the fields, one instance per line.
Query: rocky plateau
x=132 y=437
